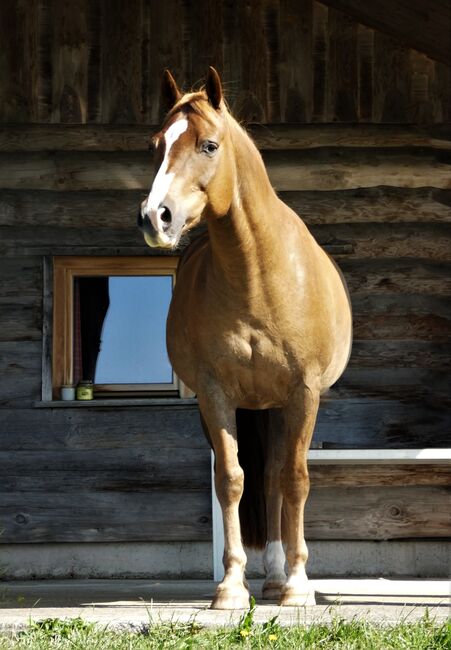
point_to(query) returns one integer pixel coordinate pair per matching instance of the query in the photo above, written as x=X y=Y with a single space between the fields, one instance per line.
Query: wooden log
x=117 y=208
x=404 y=354
x=378 y=513
x=357 y=240
x=415 y=384
x=119 y=470
x=428 y=240
x=328 y=169
x=364 y=476
x=20 y=372
x=105 y=516
x=410 y=275
x=376 y=423
x=70 y=50
x=151 y=427
x=136 y=137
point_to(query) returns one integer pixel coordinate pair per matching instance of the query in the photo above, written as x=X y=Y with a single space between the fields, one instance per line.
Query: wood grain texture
x=70 y=57
x=116 y=137
x=378 y=513
x=325 y=169
x=420 y=24
x=117 y=208
x=105 y=516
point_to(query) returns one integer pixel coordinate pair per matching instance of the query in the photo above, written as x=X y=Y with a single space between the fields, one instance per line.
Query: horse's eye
x=209 y=147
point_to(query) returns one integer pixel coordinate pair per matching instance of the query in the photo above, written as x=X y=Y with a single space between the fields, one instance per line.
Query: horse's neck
x=246 y=236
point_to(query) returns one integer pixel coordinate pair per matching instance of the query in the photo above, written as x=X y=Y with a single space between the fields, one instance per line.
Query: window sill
x=118 y=403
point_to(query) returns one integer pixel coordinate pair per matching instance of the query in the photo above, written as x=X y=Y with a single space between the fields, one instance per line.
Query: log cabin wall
x=354 y=126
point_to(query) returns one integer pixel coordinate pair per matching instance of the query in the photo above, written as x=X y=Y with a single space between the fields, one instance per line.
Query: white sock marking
x=274 y=560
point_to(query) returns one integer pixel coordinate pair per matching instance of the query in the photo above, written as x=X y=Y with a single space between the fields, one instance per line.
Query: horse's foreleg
x=274 y=555
x=220 y=419
x=300 y=417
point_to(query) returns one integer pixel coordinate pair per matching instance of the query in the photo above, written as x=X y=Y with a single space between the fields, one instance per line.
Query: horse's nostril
x=166 y=216
x=140 y=219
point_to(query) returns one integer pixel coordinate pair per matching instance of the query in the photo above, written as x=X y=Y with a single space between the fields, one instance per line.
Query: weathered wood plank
x=320 y=56
x=364 y=476
x=165 y=48
x=295 y=66
x=105 y=516
x=100 y=428
x=120 y=82
x=365 y=422
x=421 y=25
x=19 y=60
x=417 y=385
x=342 y=78
x=323 y=169
x=428 y=240
x=70 y=49
x=365 y=49
x=136 y=137
x=20 y=372
x=357 y=240
x=410 y=275
x=117 y=208
x=253 y=100
x=404 y=354
x=120 y=470
x=204 y=38
x=378 y=513
x=391 y=81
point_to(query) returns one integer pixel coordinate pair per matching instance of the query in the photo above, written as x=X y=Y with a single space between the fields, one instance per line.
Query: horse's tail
x=252 y=429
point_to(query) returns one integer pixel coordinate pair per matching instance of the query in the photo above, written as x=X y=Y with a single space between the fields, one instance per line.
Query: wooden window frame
x=65 y=269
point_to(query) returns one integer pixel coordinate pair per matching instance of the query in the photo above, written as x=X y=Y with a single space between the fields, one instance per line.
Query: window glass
x=120 y=329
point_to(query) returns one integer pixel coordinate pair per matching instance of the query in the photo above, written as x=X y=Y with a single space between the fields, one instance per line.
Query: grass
x=57 y=634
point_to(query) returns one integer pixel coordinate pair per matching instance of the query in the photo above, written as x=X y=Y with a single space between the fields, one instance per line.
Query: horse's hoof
x=232 y=598
x=272 y=590
x=292 y=598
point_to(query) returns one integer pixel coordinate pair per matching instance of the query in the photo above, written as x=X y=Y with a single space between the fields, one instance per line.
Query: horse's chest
x=254 y=366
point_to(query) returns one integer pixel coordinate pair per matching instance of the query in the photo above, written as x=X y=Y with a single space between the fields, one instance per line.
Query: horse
x=258 y=328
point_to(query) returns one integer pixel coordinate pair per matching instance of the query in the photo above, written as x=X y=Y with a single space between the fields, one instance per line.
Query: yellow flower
x=272 y=637
x=244 y=632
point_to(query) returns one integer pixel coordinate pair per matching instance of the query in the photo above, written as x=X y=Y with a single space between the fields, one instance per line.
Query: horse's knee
x=230 y=484
x=295 y=484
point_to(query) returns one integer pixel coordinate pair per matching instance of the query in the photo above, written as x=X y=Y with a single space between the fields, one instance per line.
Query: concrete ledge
x=194 y=560
x=135 y=604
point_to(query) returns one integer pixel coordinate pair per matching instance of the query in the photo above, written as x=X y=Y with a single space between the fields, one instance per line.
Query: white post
x=218 y=528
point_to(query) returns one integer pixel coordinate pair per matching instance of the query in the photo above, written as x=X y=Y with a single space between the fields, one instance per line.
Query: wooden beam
x=102 y=137
x=424 y=25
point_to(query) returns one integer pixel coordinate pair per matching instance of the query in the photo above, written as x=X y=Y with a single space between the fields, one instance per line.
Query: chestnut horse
x=259 y=326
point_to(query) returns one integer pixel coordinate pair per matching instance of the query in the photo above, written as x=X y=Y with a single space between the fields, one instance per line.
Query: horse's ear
x=213 y=88
x=170 y=94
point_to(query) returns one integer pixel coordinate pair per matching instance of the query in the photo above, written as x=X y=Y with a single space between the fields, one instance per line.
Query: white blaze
x=163 y=179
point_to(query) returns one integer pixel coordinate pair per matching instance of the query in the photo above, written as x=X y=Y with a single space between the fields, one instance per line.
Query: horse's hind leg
x=274 y=555
x=220 y=419
x=300 y=417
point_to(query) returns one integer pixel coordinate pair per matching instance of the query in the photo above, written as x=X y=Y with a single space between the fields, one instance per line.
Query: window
x=109 y=325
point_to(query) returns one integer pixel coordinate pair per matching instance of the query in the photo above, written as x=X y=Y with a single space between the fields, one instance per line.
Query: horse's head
x=196 y=172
